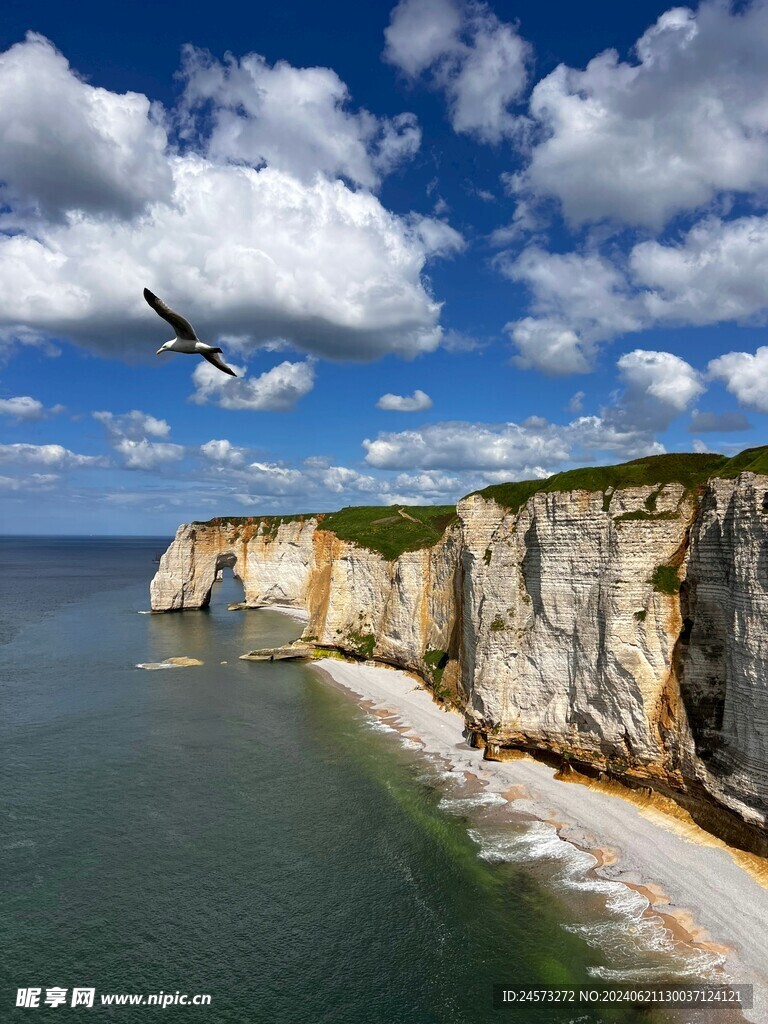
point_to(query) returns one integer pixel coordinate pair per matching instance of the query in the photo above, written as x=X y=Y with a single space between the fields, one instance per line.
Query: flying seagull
x=186 y=340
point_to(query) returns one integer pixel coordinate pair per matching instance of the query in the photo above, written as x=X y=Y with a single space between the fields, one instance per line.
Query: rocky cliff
x=618 y=626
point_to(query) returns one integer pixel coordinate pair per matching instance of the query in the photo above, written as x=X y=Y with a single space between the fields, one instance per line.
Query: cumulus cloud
x=134 y=424
x=256 y=252
x=417 y=402
x=23 y=407
x=745 y=376
x=277 y=390
x=533 y=448
x=717 y=422
x=147 y=454
x=65 y=145
x=130 y=435
x=549 y=345
x=296 y=119
x=54 y=456
x=223 y=452
x=579 y=300
x=479 y=62
x=714 y=273
x=639 y=141
x=658 y=387
x=328 y=269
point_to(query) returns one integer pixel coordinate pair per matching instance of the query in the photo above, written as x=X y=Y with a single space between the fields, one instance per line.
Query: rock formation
x=622 y=630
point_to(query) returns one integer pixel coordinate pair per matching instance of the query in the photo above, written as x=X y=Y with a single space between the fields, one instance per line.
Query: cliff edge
x=613 y=619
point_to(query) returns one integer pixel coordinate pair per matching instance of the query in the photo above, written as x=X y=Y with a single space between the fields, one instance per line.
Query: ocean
x=246 y=831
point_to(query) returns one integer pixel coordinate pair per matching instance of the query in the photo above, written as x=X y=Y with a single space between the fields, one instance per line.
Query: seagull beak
x=159 y=352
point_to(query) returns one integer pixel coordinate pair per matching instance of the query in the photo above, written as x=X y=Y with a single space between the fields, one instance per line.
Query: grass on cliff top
x=751 y=460
x=391 y=530
x=688 y=469
x=272 y=521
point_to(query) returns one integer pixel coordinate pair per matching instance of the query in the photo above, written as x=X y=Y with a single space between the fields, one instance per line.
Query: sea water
x=245 y=830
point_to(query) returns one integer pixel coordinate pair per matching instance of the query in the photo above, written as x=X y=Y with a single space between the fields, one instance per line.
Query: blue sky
x=444 y=243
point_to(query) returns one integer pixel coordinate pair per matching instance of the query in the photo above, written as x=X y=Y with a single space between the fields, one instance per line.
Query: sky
x=443 y=243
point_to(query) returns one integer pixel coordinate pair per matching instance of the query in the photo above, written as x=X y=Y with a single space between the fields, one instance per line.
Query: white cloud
x=128 y=435
x=745 y=376
x=328 y=269
x=52 y=455
x=479 y=62
x=532 y=448
x=277 y=390
x=641 y=141
x=576 y=402
x=146 y=454
x=549 y=345
x=255 y=253
x=658 y=387
x=33 y=482
x=65 y=145
x=134 y=424
x=716 y=272
x=421 y=33
x=11 y=337
x=579 y=300
x=295 y=119
x=416 y=402
x=23 y=407
x=223 y=452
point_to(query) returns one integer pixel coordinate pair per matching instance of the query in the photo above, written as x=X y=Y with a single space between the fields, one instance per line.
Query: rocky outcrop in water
x=623 y=631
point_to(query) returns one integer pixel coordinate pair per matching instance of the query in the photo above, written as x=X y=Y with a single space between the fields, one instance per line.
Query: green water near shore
x=237 y=829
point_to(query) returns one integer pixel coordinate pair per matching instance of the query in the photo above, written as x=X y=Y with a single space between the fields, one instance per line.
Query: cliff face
x=566 y=642
x=402 y=612
x=271 y=558
x=724 y=646
x=561 y=626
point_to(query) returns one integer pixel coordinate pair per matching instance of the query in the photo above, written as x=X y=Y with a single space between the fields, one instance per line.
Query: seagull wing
x=215 y=360
x=183 y=328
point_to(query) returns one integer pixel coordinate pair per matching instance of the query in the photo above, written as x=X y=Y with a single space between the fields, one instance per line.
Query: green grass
x=383 y=529
x=665 y=579
x=751 y=460
x=688 y=469
x=361 y=643
x=640 y=515
x=436 y=661
x=272 y=522
x=650 y=501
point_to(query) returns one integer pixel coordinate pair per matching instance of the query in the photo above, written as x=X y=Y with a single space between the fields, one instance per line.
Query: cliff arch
x=223 y=560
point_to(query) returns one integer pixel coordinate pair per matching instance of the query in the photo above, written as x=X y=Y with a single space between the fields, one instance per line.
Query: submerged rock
x=152 y=666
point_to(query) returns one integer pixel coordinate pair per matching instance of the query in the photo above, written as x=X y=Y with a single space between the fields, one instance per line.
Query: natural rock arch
x=223 y=560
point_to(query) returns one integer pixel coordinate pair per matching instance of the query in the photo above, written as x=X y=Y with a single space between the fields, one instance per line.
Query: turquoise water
x=247 y=831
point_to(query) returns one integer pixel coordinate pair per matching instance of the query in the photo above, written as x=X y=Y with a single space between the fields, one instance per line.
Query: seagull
x=186 y=340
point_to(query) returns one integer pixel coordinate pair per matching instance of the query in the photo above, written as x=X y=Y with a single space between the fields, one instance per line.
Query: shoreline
x=704 y=898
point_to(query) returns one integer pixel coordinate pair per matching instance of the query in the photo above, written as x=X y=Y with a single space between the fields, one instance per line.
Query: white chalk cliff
x=554 y=626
